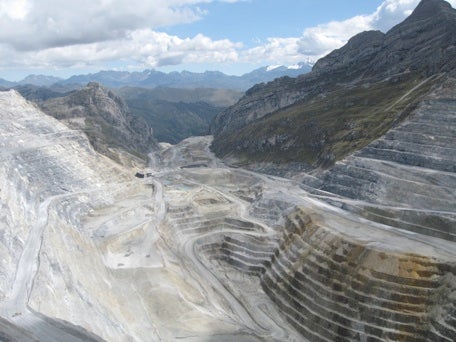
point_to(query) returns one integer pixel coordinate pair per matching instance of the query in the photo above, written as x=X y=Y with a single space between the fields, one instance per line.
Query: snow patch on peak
x=295 y=66
x=272 y=67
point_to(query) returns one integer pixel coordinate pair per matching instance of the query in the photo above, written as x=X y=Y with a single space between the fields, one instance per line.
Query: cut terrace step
x=410 y=158
x=409 y=174
x=247 y=254
x=331 y=286
x=362 y=292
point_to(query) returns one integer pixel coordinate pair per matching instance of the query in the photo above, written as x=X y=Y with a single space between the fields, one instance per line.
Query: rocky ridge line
x=106 y=120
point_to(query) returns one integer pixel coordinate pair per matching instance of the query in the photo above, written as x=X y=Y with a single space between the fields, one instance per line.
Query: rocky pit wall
x=198 y=251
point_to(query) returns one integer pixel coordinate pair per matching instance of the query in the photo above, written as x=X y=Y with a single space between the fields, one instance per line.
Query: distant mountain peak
x=40 y=80
x=424 y=41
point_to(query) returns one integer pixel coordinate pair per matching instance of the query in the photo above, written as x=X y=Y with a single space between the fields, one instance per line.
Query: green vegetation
x=176 y=114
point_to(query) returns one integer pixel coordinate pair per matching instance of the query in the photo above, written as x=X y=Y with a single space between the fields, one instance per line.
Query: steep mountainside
x=174 y=121
x=176 y=114
x=106 y=120
x=173 y=113
x=424 y=42
x=352 y=96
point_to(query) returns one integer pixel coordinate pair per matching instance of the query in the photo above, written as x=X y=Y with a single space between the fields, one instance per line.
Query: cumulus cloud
x=144 y=48
x=14 y=9
x=276 y=50
x=315 y=42
x=40 y=24
x=49 y=23
x=45 y=34
x=391 y=12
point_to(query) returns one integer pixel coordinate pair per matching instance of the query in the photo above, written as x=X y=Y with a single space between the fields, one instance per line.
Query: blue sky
x=233 y=36
x=249 y=21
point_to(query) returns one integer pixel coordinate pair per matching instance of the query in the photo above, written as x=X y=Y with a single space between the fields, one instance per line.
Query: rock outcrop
x=424 y=42
x=106 y=120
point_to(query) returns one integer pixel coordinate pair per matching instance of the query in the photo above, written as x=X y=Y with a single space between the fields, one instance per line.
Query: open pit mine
x=190 y=249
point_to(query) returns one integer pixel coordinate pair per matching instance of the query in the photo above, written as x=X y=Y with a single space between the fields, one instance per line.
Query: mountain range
x=154 y=78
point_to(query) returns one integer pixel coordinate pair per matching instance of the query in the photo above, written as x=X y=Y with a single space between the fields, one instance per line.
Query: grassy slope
x=321 y=130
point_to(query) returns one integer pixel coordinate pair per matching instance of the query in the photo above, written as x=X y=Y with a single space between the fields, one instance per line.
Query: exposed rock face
x=260 y=100
x=407 y=178
x=105 y=118
x=44 y=166
x=326 y=128
x=323 y=116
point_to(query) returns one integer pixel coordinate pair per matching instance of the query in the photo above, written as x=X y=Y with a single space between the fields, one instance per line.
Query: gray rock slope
x=105 y=119
x=425 y=42
x=407 y=178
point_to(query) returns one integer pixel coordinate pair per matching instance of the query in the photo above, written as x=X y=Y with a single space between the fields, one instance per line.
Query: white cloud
x=318 y=40
x=391 y=12
x=14 y=9
x=276 y=51
x=146 y=48
x=315 y=42
x=40 y=24
x=45 y=34
x=48 y=34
